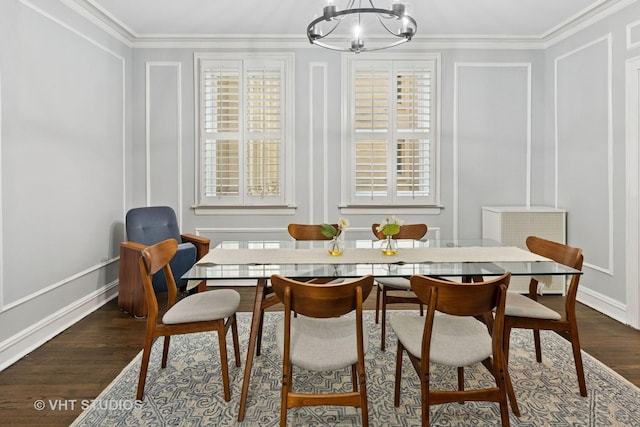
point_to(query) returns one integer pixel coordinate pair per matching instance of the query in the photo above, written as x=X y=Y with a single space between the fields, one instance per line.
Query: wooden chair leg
x=383 y=320
x=146 y=354
x=354 y=377
x=461 y=380
x=396 y=393
x=236 y=341
x=259 y=343
x=224 y=363
x=577 y=357
x=506 y=340
x=504 y=408
x=377 y=302
x=165 y=350
x=426 y=404
x=286 y=387
x=536 y=341
x=501 y=373
x=510 y=392
x=364 y=405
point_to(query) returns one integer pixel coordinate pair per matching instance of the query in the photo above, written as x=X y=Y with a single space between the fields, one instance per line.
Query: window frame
x=243 y=202
x=389 y=61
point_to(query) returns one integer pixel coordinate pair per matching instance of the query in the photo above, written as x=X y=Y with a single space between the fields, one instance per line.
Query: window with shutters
x=391 y=132
x=245 y=127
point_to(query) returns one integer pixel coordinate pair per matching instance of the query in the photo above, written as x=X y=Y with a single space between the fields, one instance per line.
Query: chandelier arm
x=407 y=17
x=387 y=28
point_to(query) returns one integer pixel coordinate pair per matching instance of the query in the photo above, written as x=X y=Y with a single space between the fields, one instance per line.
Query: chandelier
x=361 y=22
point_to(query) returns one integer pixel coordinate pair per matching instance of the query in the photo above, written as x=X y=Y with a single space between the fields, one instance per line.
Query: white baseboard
x=23 y=343
x=604 y=304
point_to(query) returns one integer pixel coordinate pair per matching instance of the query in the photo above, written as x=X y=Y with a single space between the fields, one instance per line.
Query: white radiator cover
x=511 y=225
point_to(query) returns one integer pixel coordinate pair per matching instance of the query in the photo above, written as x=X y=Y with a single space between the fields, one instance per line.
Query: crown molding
x=102 y=19
x=112 y=25
x=584 y=19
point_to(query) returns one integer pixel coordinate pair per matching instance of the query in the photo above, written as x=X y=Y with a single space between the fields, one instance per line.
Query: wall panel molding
x=607 y=40
x=149 y=132
x=456 y=129
x=318 y=114
x=633 y=35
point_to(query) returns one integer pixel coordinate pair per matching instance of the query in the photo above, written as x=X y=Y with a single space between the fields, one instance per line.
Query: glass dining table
x=462 y=260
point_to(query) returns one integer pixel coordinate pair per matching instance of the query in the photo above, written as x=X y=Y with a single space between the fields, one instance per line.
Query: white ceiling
x=436 y=18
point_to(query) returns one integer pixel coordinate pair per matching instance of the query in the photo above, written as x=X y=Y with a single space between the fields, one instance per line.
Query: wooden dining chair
x=451 y=335
x=200 y=312
x=524 y=312
x=322 y=338
x=399 y=286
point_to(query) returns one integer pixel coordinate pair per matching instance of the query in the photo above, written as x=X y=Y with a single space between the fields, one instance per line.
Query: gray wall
x=585 y=126
x=65 y=121
x=91 y=127
x=487 y=108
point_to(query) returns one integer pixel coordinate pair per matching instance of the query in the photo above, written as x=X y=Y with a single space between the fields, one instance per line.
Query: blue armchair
x=147 y=226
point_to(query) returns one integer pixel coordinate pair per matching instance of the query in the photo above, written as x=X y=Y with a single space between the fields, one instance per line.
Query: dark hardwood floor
x=78 y=364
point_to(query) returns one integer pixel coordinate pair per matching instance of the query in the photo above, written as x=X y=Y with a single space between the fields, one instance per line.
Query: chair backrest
x=308 y=231
x=154 y=259
x=407 y=231
x=563 y=254
x=322 y=300
x=460 y=299
x=150 y=225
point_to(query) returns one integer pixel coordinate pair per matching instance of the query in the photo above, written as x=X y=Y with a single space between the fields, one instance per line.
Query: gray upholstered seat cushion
x=456 y=341
x=203 y=306
x=394 y=282
x=322 y=344
x=522 y=306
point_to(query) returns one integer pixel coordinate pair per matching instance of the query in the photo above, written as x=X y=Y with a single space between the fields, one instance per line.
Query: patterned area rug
x=188 y=392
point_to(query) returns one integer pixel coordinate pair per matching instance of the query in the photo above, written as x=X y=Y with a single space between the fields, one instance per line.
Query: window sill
x=245 y=210
x=386 y=210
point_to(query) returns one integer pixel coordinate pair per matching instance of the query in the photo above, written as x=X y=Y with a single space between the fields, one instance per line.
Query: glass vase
x=389 y=246
x=336 y=245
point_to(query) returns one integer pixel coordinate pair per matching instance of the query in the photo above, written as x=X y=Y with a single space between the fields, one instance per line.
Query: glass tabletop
x=388 y=269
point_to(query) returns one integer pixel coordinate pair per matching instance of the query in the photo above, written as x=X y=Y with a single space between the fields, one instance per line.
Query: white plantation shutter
x=413 y=124
x=371 y=131
x=242 y=132
x=264 y=130
x=221 y=97
x=391 y=141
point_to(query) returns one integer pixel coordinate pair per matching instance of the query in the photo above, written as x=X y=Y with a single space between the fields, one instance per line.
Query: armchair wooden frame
x=567 y=325
x=130 y=290
x=152 y=260
x=323 y=301
x=383 y=297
